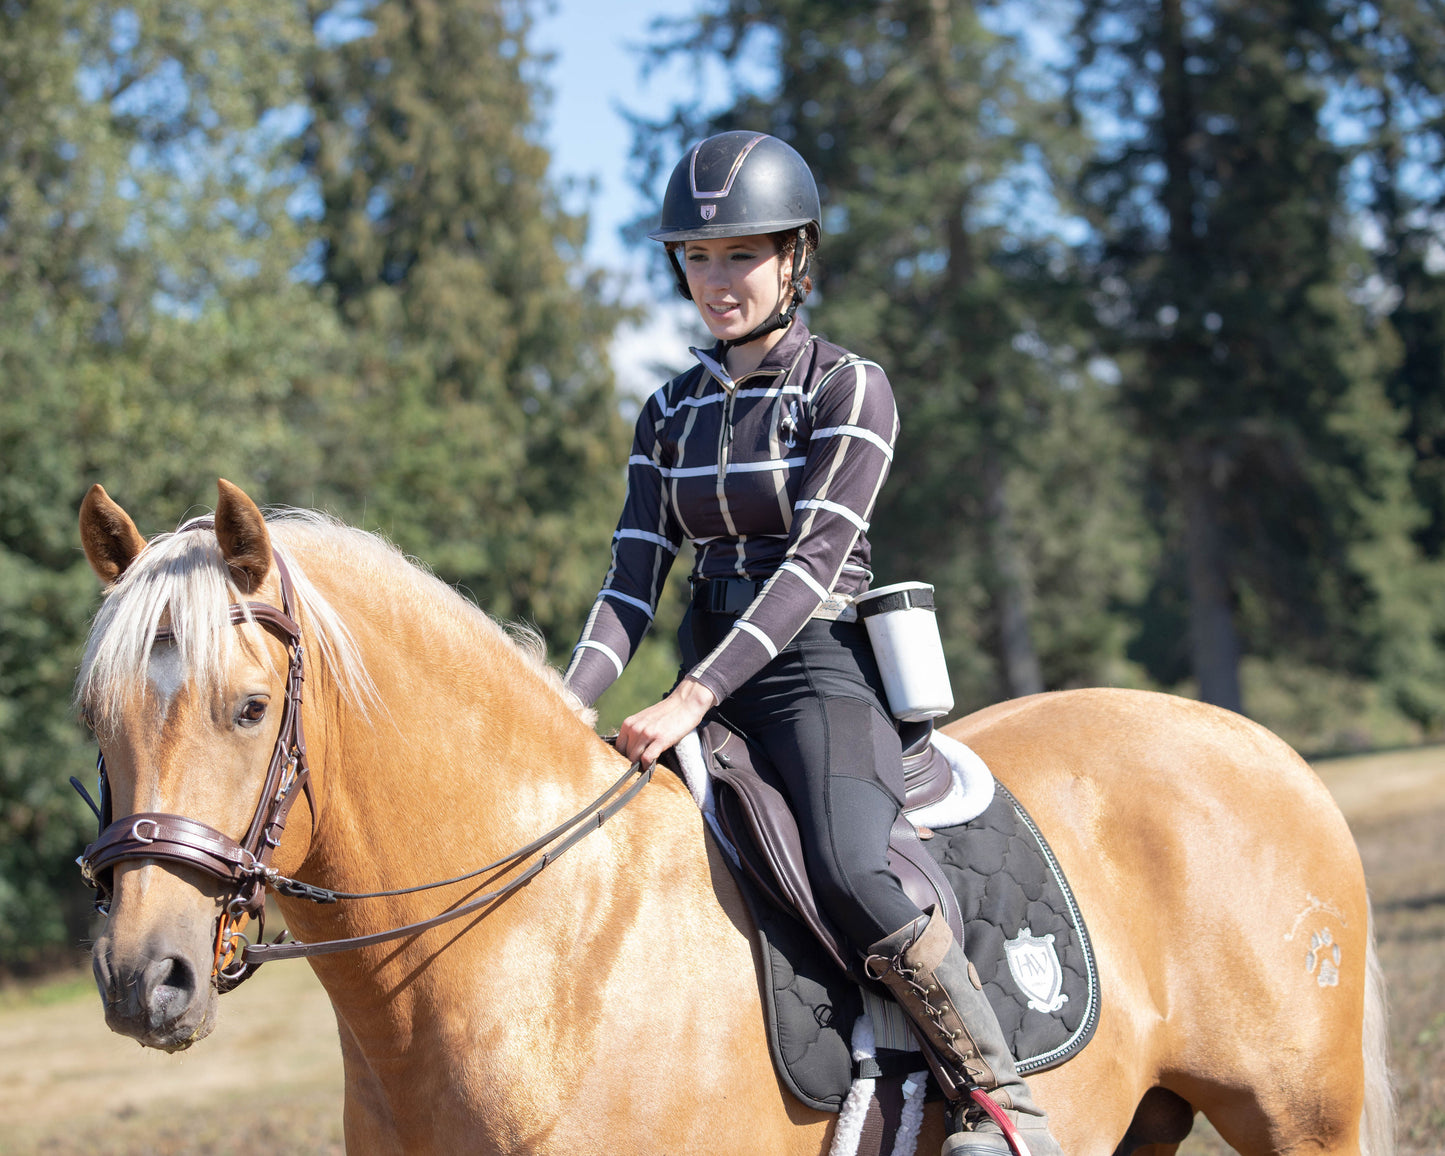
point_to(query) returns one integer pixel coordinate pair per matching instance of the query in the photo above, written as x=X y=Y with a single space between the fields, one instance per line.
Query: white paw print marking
x=1324 y=955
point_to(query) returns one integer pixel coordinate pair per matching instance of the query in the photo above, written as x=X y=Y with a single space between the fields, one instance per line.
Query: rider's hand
x=645 y=735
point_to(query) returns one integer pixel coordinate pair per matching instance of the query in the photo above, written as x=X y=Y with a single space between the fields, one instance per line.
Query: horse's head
x=187 y=704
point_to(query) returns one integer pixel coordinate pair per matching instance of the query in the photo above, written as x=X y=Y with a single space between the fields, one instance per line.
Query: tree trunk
x=1008 y=571
x=1213 y=640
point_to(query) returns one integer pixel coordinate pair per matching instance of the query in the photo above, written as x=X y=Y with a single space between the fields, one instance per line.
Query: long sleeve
x=644 y=545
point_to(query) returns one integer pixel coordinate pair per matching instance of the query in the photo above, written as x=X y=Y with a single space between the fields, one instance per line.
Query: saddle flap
x=922 y=878
x=756 y=817
x=768 y=841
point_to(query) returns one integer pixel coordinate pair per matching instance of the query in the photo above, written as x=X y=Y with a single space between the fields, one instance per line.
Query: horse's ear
x=109 y=537
x=241 y=531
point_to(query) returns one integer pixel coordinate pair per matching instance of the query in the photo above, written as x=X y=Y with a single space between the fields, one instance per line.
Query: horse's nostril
x=172 y=986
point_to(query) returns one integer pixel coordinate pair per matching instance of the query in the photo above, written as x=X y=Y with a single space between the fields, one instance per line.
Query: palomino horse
x=610 y=1003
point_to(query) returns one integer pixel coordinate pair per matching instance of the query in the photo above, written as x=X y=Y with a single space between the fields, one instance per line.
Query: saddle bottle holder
x=903 y=630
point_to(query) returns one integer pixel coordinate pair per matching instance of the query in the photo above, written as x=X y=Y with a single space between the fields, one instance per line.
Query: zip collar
x=782 y=358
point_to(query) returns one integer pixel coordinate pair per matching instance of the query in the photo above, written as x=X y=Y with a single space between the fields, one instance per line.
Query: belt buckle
x=727 y=595
x=740 y=594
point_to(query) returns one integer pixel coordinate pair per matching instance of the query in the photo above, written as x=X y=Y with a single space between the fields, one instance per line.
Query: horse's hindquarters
x=1226 y=904
x=152 y=963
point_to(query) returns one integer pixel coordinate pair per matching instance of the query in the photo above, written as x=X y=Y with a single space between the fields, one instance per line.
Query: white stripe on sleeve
x=631 y=601
x=757 y=632
x=645 y=536
x=607 y=650
x=855 y=431
x=833 y=508
x=812 y=583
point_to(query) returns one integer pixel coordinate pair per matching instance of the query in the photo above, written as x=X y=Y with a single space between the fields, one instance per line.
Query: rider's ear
x=109 y=537
x=241 y=531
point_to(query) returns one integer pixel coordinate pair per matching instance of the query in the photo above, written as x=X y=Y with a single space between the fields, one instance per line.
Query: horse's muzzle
x=157 y=996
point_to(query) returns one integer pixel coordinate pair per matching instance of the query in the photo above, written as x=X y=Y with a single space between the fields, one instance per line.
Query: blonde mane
x=180 y=579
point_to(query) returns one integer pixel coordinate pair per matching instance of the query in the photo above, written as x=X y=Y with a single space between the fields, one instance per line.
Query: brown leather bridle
x=245 y=866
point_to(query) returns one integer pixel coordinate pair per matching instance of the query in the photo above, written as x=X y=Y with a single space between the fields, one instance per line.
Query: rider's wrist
x=698 y=692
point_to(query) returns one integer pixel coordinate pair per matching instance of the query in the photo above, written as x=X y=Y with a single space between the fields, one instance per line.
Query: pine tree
x=1390 y=87
x=1256 y=376
x=489 y=443
x=151 y=337
x=1391 y=82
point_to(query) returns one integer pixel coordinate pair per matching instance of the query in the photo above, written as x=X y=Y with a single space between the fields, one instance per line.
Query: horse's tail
x=1377 y=1120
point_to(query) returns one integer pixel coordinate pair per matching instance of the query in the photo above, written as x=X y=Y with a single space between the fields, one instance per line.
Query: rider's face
x=737 y=283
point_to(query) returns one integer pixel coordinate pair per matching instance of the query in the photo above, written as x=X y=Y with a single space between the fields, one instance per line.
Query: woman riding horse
x=769 y=455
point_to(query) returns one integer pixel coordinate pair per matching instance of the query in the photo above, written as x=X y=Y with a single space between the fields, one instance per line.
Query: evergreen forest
x=1159 y=284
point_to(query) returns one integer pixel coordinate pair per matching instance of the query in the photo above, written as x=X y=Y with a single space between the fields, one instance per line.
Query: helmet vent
x=734 y=168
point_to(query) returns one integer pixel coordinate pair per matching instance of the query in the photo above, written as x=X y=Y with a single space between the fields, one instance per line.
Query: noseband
x=245 y=866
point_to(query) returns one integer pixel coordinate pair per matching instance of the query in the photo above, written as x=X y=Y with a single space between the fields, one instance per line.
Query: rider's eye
x=252 y=712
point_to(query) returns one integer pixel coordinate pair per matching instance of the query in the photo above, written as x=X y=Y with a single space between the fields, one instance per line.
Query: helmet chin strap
x=784 y=317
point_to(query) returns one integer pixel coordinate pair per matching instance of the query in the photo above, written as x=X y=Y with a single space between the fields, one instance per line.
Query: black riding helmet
x=742 y=184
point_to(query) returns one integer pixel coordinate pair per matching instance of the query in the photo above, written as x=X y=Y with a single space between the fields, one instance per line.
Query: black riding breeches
x=818 y=712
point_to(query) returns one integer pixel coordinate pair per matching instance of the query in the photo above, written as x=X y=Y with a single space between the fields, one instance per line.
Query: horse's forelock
x=179 y=580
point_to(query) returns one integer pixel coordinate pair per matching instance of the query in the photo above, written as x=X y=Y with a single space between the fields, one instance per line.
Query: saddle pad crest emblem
x=1034 y=965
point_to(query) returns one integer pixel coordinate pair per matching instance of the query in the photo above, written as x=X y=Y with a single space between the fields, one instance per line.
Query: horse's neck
x=472 y=759
x=469 y=757
x=469 y=749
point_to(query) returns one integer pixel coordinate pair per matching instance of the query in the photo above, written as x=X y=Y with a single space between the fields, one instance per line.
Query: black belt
x=725 y=595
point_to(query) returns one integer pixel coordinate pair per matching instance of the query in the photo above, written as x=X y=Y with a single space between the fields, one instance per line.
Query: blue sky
x=597 y=70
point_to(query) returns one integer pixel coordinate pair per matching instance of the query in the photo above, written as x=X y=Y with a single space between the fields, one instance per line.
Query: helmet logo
x=708 y=212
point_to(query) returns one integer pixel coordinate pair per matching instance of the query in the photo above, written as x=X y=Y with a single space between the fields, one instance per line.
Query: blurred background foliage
x=1161 y=294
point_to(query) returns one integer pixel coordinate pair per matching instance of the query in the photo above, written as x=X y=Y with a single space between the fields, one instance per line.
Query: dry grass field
x=269 y=1078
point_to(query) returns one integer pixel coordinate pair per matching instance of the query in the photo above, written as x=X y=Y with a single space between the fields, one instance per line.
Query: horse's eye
x=252 y=712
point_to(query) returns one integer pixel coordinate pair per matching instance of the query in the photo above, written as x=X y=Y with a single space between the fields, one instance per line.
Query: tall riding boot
x=927 y=973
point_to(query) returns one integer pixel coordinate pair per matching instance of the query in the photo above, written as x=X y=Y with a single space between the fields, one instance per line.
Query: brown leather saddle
x=754 y=815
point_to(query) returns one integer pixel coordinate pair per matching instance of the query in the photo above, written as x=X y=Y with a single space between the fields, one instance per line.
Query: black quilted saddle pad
x=1022 y=931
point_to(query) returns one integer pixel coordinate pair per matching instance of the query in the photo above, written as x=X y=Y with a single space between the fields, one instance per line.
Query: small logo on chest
x=788 y=427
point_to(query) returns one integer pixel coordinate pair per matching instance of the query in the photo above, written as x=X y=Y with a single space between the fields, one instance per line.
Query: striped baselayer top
x=773 y=477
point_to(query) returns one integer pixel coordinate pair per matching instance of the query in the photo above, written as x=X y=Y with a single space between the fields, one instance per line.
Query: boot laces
x=969 y=1059
x=922 y=991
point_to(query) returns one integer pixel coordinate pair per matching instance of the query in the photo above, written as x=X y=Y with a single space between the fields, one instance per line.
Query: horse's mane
x=182 y=575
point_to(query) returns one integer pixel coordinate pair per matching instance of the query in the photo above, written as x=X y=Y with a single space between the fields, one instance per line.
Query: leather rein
x=245 y=865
